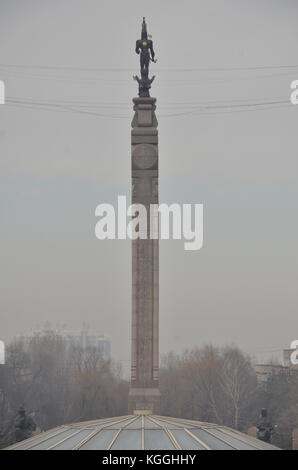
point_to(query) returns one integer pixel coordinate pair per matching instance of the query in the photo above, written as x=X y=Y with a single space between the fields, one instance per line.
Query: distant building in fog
x=265 y=371
x=85 y=338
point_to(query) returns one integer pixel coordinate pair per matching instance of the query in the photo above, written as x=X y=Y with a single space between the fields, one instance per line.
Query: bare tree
x=58 y=384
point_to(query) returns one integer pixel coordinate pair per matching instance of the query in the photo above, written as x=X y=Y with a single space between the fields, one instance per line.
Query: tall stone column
x=144 y=392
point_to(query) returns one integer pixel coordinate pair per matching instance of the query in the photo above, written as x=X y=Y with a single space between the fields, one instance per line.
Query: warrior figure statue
x=24 y=425
x=264 y=427
x=144 y=47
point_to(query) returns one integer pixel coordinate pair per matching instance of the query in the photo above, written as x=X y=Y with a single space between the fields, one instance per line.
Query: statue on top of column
x=144 y=47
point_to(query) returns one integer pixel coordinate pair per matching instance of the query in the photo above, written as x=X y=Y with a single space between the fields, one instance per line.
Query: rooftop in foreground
x=142 y=431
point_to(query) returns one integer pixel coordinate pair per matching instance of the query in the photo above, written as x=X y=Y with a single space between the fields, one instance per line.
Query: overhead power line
x=102 y=110
x=114 y=80
x=124 y=105
x=112 y=69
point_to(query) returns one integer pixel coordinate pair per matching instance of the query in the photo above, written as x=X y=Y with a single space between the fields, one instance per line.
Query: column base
x=144 y=399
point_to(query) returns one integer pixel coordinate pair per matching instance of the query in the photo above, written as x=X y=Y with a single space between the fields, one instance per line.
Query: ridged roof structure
x=142 y=432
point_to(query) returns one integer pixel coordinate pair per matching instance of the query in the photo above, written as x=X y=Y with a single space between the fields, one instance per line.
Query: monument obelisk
x=144 y=393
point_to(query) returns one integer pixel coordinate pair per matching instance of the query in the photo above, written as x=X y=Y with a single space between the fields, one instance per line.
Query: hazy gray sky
x=57 y=165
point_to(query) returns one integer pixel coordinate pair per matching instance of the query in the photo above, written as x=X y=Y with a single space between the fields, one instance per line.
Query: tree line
x=59 y=383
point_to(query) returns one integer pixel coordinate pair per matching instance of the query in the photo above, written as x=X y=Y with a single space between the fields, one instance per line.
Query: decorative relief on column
x=134 y=186
x=144 y=157
x=154 y=182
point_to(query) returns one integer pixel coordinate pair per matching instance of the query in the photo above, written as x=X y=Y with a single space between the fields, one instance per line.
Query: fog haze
x=57 y=165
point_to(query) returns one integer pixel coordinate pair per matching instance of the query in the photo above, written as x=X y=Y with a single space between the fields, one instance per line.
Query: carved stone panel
x=144 y=156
